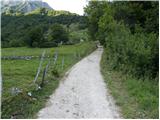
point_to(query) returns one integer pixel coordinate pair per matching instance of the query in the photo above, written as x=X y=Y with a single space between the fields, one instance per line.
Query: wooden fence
x=52 y=61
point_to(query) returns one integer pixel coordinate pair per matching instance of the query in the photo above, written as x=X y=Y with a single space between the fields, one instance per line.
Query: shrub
x=57 y=34
x=16 y=43
x=48 y=44
x=132 y=53
x=77 y=36
x=55 y=72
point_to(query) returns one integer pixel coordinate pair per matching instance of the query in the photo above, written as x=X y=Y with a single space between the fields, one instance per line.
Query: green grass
x=135 y=97
x=21 y=73
x=25 y=51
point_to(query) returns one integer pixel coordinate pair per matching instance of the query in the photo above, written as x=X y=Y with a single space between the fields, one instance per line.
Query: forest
x=33 y=29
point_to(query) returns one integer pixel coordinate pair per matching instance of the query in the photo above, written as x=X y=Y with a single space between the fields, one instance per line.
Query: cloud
x=74 y=6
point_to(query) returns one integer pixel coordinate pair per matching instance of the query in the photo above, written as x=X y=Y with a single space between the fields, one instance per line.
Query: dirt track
x=82 y=93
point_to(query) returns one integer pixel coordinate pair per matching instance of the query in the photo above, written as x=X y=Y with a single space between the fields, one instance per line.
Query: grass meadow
x=21 y=73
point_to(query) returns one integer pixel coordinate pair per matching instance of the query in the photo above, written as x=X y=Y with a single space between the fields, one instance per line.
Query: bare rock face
x=23 y=6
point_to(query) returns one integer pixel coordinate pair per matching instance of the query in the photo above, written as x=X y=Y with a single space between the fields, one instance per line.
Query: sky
x=74 y=6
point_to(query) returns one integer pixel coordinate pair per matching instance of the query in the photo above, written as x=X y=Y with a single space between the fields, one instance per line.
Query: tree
x=143 y=13
x=43 y=11
x=94 y=11
x=35 y=37
x=57 y=34
x=128 y=31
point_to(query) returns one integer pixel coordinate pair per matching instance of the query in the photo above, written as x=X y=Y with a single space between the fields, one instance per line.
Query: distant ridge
x=24 y=6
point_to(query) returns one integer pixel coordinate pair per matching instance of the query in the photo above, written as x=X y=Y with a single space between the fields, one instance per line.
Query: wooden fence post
x=44 y=74
x=62 y=62
x=40 y=65
x=55 y=57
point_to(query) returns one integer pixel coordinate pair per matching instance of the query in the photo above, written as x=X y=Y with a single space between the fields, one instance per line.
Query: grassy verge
x=20 y=74
x=136 y=98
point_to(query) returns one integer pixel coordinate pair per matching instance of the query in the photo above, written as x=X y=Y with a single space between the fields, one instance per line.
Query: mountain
x=23 y=6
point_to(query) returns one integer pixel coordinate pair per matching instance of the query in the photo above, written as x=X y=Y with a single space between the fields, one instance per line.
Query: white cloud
x=74 y=6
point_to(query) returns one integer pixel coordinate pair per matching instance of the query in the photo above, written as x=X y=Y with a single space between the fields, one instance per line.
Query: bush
x=16 y=43
x=35 y=44
x=55 y=72
x=48 y=44
x=74 y=27
x=132 y=53
x=77 y=36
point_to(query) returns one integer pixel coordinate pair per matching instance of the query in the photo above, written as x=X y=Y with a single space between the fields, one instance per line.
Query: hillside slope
x=23 y=6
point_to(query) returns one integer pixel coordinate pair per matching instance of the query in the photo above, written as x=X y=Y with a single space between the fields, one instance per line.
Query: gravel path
x=82 y=93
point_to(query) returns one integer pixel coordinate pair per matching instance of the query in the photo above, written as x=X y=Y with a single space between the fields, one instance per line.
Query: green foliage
x=50 y=12
x=78 y=36
x=16 y=43
x=131 y=46
x=57 y=34
x=74 y=27
x=48 y=44
x=137 y=98
x=132 y=53
x=35 y=37
x=41 y=37
x=143 y=13
x=93 y=12
x=55 y=72
x=18 y=27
